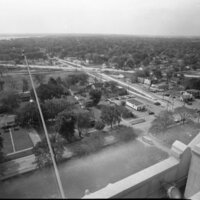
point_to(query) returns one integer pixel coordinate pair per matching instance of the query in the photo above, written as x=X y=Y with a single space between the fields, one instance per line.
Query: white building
x=135 y=104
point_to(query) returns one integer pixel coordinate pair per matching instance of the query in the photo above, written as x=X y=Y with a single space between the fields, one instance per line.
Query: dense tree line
x=124 y=51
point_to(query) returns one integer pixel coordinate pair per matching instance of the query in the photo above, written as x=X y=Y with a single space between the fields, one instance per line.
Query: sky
x=132 y=17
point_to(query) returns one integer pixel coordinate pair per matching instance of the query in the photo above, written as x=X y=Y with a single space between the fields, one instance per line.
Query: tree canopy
x=65 y=124
x=10 y=100
x=161 y=122
x=42 y=153
x=95 y=95
x=110 y=115
x=185 y=113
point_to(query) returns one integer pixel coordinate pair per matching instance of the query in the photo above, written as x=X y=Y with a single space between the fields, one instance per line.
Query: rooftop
x=135 y=102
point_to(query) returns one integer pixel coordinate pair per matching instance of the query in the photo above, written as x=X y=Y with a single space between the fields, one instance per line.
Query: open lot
x=16 y=140
x=184 y=133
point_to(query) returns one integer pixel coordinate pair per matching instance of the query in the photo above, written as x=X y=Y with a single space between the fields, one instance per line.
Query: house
x=7 y=121
x=25 y=96
x=135 y=104
x=185 y=96
x=147 y=81
x=195 y=93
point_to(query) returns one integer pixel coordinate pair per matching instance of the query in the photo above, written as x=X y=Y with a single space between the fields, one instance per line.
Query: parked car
x=157 y=103
x=151 y=112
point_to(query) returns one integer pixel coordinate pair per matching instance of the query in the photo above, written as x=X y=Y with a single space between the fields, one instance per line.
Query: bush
x=99 y=125
x=128 y=114
x=126 y=135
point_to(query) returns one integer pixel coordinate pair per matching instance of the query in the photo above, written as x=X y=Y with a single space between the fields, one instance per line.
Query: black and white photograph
x=100 y=99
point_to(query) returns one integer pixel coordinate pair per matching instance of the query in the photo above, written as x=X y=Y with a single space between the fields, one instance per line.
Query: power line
x=46 y=133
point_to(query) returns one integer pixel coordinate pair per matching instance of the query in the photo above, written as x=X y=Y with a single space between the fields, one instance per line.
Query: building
x=7 y=121
x=147 y=81
x=25 y=96
x=135 y=104
x=185 y=96
x=195 y=93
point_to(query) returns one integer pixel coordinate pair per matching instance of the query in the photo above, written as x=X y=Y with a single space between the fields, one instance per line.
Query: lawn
x=184 y=133
x=21 y=139
x=7 y=145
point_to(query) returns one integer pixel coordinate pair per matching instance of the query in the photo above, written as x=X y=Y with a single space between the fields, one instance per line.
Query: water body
x=92 y=172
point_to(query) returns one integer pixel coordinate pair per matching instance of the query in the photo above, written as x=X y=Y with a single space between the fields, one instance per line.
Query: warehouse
x=135 y=104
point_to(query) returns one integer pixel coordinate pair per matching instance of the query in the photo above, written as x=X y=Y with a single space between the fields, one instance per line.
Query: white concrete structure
x=135 y=104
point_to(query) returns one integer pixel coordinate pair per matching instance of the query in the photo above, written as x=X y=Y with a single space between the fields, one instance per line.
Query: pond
x=92 y=172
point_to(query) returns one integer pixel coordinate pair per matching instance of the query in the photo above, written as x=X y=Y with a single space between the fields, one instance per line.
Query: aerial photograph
x=99 y=99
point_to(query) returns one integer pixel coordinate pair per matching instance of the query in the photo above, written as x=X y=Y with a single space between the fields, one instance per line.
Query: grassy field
x=7 y=144
x=21 y=141
x=184 y=133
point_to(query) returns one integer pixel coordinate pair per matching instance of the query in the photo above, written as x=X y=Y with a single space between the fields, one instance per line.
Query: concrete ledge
x=177 y=149
x=196 y=149
x=195 y=196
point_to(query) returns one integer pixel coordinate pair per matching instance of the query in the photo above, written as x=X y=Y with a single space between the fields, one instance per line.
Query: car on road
x=150 y=112
x=167 y=94
x=157 y=103
x=189 y=103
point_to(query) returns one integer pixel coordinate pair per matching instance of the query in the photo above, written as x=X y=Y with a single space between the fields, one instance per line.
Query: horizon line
x=104 y=34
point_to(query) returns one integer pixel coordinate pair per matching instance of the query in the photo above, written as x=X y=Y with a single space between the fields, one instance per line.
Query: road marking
x=12 y=140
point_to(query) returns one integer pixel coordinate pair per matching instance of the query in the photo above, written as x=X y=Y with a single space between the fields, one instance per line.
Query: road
x=132 y=88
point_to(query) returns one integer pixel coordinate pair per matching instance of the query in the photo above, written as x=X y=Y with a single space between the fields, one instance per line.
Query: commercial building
x=135 y=104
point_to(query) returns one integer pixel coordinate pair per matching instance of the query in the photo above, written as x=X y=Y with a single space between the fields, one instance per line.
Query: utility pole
x=46 y=133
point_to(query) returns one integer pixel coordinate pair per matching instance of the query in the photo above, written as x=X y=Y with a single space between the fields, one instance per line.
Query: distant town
x=98 y=95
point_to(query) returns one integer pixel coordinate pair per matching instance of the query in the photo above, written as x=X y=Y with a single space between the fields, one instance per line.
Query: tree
x=169 y=75
x=1 y=84
x=9 y=100
x=29 y=115
x=95 y=95
x=73 y=79
x=48 y=91
x=83 y=119
x=185 y=113
x=192 y=83
x=54 y=106
x=25 y=85
x=157 y=73
x=42 y=153
x=65 y=124
x=52 y=81
x=2 y=157
x=161 y=122
x=99 y=125
x=39 y=78
x=110 y=115
x=117 y=113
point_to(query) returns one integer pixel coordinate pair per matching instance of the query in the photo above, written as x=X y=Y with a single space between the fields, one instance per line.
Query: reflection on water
x=92 y=172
